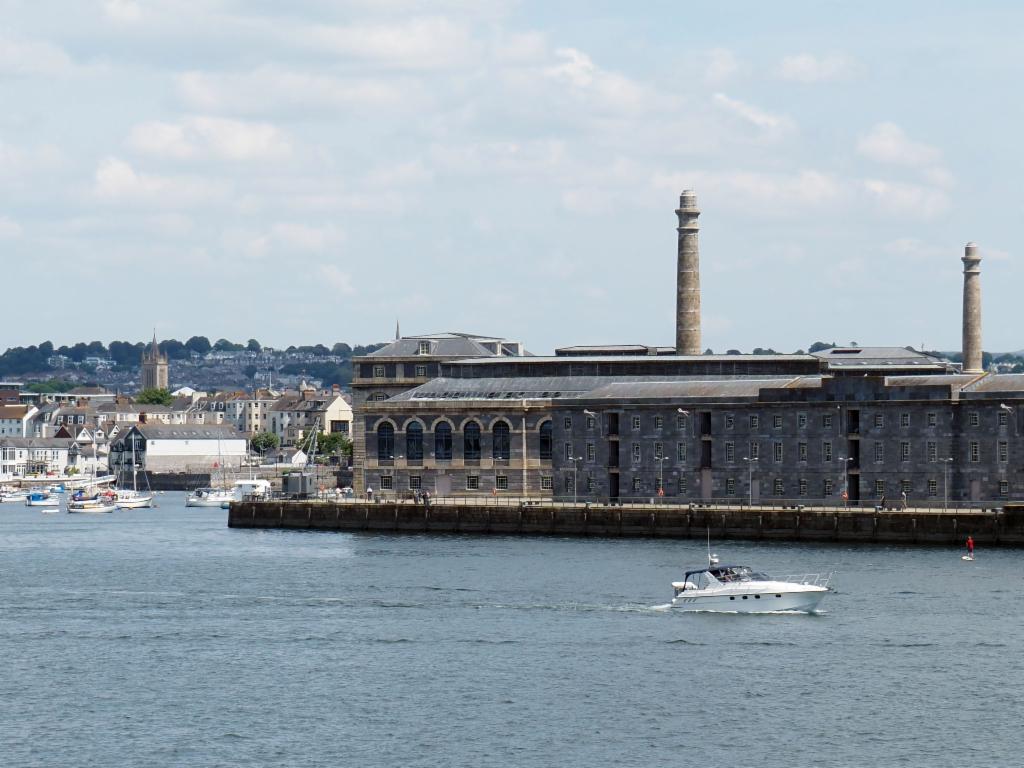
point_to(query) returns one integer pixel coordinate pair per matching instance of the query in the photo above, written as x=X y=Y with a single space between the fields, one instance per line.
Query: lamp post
x=1013 y=414
x=661 y=476
x=750 y=480
x=945 y=481
x=845 y=493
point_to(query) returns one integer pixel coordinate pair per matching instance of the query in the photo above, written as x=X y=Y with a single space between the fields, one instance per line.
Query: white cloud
x=604 y=89
x=271 y=89
x=117 y=181
x=337 y=280
x=431 y=43
x=807 y=68
x=218 y=137
x=764 y=194
x=399 y=175
x=766 y=121
x=32 y=57
x=915 y=249
x=306 y=238
x=9 y=228
x=722 y=65
x=902 y=199
x=122 y=11
x=887 y=143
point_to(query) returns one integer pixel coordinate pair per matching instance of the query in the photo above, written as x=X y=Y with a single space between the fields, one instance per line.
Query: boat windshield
x=737 y=573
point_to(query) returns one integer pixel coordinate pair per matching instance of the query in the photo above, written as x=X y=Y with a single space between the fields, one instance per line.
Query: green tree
x=264 y=441
x=331 y=444
x=154 y=396
x=198 y=344
x=818 y=346
x=223 y=345
x=254 y=346
x=249 y=371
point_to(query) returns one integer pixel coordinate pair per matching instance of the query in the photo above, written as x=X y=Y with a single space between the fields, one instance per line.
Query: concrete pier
x=915 y=526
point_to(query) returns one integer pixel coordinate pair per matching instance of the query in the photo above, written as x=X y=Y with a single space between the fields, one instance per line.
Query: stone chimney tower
x=972 y=309
x=688 y=277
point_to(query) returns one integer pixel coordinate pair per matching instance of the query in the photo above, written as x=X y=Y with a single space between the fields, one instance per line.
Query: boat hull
x=99 y=509
x=802 y=601
x=137 y=502
x=53 y=502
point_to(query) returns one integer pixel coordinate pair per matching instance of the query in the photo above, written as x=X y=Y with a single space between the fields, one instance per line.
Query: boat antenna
x=712 y=558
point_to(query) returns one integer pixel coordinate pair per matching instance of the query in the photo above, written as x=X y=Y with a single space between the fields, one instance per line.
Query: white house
x=292 y=415
x=178 y=448
x=24 y=456
x=14 y=420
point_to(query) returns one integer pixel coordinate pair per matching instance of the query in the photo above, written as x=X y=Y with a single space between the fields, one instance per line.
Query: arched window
x=502 y=444
x=414 y=441
x=471 y=442
x=385 y=441
x=443 y=441
x=545 y=441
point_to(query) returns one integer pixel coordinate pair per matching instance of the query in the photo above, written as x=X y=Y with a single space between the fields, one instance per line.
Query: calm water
x=161 y=637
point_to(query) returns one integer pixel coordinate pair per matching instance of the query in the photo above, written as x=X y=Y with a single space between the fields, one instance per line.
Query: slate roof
x=37 y=442
x=443 y=346
x=878 y=357
x=705 y=389
x=186 y=432
x=997 y=382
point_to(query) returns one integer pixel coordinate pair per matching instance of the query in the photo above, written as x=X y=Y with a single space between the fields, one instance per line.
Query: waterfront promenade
x=990 y=526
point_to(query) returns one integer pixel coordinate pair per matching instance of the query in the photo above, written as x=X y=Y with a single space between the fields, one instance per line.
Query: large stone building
x=635 y=422
x=154 y=367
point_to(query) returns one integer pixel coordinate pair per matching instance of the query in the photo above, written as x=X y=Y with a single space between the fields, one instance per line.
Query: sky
x=314 y=171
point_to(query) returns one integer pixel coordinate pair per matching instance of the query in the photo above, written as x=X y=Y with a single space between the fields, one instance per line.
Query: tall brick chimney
x=688 y=277
x=972 y=310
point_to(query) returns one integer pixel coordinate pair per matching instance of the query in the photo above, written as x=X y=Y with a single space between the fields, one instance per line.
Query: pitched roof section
x=186 y=432
x=451 y=345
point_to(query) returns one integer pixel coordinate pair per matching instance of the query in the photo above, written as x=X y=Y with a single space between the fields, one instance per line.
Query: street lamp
x=1013 y=413
x=661 y=475
x=945 y=481
x=575 y=469
x=845 y=493
x=750 y=479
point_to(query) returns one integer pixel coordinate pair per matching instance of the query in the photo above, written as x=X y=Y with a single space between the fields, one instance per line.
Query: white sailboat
x=212 y=497
x=133 y=498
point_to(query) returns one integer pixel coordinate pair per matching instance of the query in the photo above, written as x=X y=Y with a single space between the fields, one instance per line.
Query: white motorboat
x=42 y=498
x=209 y=497
x=739 y=589
x=13 y=497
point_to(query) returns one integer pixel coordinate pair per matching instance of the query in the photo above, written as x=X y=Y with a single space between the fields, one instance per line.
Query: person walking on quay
x=970 y=547
x=369 y=493
x=903 y=499
x=426 y=499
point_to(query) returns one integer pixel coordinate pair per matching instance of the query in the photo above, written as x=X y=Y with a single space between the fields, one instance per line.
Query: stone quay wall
x=1003 y=526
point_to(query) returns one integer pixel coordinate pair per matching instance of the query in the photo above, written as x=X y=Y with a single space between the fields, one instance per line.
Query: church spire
x=398 y=333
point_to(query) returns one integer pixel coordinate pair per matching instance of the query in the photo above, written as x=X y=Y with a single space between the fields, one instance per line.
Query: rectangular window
x=684 y=486
x=567 y=423
x=1004 y=488
x=569 y=486
x=933 y=487
x=801 y=451
x=730 y=486
x=779 y=487
x=501 y=482
x=906 y=486
x=879 y=420
x=591 y=422
x=590 y=485
x=1004 y=451
x=681 y=421
x=777 y=421
x=545 y=483
x=879 y=452
x=415 y=482
x=755 y=421
x=421 y=371
x=472 y=482
x=826 y=491
x=973 y=419
x=730 y=453
x=591 y=452
x=729 y=421
x=802 y=486
x=568 y=452
x=680 y=452
x=826 y=451
x=378 y=371
x=904 y=450
x=636 y=453
x=975 y=451
x=636 y=423
x=424 y=348
x=879 y=488
x=755 y=451
x=777 y=452
x=659 y=422
x=904 y=419
x=636 y=485
x=659 y=451
x=933 y=419
x=826 y=420
x=932 y=451
x=801 y=420
x=1003 y=418
x=387 y=482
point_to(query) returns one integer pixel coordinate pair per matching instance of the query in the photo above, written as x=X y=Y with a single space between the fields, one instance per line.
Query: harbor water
x=162 y=637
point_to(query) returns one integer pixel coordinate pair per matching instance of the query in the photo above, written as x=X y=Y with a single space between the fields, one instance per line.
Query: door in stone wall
x=705 y=485
x=442 y=485
x=975 y=490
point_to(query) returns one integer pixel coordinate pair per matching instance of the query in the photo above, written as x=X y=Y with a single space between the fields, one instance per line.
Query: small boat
x=102 y=503
x=209 y=497
x=42 y=498
x=127 y=498
x=13 y=497
x=739 y=589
